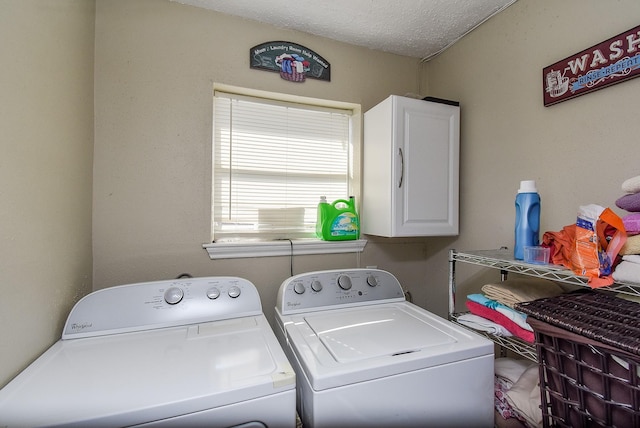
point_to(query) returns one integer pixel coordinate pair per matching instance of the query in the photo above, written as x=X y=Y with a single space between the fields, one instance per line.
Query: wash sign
x=612 y=61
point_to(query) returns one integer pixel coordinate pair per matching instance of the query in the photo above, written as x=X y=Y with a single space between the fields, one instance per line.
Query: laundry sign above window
x=607 y=63
x=294 y=62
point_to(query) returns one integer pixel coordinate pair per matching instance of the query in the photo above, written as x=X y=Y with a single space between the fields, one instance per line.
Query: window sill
x=232 y=250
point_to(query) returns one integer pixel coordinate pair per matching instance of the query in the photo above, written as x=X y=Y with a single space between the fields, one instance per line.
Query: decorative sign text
x=294 y=62
x=605 y=64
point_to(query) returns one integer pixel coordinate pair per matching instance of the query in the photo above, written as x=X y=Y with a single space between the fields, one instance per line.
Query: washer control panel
x=331 y=289
x=159 y=304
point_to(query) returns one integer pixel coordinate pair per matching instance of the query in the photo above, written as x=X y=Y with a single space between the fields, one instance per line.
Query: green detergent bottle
x=337 y=221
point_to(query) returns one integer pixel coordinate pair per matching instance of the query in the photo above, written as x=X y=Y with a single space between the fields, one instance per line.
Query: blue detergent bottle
x=527 y=230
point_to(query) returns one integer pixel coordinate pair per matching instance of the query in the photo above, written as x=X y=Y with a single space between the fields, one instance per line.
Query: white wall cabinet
x=411 y=168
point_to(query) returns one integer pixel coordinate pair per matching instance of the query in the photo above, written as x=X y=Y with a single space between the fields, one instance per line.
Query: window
x=273 y=157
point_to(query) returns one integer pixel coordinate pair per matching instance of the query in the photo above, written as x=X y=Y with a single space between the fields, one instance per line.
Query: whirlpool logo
x=81 y=326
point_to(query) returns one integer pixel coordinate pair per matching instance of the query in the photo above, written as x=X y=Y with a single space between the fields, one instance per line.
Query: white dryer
x=187 y=352
x=364 y=356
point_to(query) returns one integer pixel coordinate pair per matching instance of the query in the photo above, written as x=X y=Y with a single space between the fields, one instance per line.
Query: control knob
x=298 y=287
x=344 y=282
x=316 y=286
x=213 y=293
x=173 y=295
x=372 y=281
x=234 y=292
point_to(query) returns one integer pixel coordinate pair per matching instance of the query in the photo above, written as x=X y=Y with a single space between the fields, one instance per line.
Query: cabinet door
x=427 y=168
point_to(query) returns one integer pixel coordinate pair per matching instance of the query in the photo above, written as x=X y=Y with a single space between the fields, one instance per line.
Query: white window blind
x=271 y=163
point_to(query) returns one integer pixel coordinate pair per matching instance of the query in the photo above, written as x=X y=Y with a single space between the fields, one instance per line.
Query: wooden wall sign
x=294 y=62
x=612 y=61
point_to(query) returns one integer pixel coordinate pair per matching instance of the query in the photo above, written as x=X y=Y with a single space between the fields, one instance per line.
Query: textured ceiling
x=415 y=28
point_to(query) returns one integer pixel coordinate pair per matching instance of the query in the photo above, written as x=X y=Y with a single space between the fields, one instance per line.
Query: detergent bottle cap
x=527 y=186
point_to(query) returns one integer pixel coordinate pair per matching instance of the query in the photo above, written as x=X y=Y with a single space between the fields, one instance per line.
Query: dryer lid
x=132 y=378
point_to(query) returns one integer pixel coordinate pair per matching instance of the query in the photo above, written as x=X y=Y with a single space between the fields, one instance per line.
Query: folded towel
x=631 y=246
x=518 y=290
x=633 y=258
x=516 y=316
x=524 y=396
x=483 y=324
x=497 y=317
x=510 y=368
x=627 y=271
x=632 y=185
x=632 y=223
x=630 y=202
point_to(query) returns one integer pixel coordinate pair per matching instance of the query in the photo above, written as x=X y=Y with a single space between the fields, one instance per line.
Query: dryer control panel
x=161 y=304
x=331 y=289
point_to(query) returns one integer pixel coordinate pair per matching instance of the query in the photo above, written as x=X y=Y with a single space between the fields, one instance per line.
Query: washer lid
x=374 y=332
x=338 y=347
x=132 y=378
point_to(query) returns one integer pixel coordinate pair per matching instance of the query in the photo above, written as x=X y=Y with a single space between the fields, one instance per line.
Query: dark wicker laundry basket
x=588 y=347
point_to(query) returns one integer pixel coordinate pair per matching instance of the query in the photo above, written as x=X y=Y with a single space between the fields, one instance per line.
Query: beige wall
x=155 y=62
x=579 y=151
x=155 y=65
x=46 y=118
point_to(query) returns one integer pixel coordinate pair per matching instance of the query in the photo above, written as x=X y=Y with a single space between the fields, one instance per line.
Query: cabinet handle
x=401 y=166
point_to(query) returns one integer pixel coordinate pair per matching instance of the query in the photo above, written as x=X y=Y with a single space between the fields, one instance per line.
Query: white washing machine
x=187 y=352
x=364 y=356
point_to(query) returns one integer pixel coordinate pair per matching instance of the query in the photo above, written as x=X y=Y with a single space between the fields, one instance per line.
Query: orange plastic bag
x=600 y=235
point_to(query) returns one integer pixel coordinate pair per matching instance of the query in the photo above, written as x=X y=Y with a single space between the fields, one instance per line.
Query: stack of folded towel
x=627 y=270
x=493 y=309
x=515 y=322
x=518 y=290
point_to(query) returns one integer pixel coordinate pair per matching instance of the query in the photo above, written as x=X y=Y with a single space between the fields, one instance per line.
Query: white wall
x=46 y=118
x=579 y=151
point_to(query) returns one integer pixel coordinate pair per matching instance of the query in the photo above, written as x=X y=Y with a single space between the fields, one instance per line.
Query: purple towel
x=629 y=202
x=632 y=223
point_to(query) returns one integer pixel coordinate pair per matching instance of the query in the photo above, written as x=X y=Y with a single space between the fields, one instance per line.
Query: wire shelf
x=503 y=259
x=512 y=343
